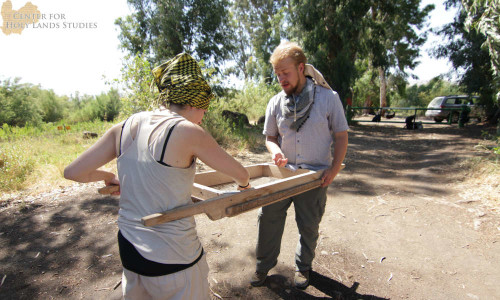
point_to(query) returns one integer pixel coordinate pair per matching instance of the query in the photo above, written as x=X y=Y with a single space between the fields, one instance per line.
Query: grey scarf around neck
x=298 y=108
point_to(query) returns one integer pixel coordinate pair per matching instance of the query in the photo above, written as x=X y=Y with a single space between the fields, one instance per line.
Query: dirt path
x=397 y=226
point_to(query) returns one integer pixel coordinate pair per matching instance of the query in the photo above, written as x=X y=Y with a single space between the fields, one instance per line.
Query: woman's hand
x=242 y=188
x=113 y=182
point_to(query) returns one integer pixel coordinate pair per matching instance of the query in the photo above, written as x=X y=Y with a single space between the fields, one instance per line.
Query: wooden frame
x=217 y=204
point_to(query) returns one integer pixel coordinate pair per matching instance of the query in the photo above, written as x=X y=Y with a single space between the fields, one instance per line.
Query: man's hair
x=288 y=49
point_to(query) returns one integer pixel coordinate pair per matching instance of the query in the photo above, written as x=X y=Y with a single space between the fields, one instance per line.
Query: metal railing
x=463 y=112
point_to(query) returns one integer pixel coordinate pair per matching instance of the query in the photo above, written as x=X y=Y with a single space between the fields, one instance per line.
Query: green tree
x=366 y=86
x=136 y=79
x=20 y=102
x=391 y=40
x=6 y=113
x=257 y=27
x=471 y=61
x=52 y=107
x=483 y=17
x=113 y=105
x=330 y=32
x=421 y=95
x=164 y=28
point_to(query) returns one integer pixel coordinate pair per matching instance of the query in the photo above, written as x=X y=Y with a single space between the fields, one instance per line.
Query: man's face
x=288 y=75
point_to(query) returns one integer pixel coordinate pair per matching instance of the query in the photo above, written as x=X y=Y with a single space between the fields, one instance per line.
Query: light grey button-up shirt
x=310 y=147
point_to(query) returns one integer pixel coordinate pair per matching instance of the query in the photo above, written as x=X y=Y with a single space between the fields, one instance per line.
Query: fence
x=462 y=116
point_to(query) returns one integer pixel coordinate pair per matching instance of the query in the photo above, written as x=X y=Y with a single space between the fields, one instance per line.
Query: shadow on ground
x=57 y=247
x=50 y=249
x=335 y=290
x=413 y=157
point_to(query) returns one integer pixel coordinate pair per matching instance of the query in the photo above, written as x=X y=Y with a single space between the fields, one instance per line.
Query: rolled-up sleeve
x=270 y=124
x=336 y=115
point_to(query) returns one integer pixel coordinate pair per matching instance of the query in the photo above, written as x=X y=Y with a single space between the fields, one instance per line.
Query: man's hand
x=328 y=176
x=280 y=160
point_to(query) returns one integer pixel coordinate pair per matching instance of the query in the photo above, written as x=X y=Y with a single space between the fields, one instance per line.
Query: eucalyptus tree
x=164 y=28
x=392 y=40
x=470 y=60
x=259 y=26
x=336 y=33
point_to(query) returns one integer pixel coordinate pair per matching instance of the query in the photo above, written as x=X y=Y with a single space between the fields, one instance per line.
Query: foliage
x=232 y=137
x=470 y=60
x=330 y=43
x=258 y=27
x=163 y=29
x=52 y=106
x=383 y=31
x=391 y=40
x=366 y=87
x=27 y=153
x=29 y=105
x=19 y=103
x=421 y=95
x=136 y=80
x=15 y=166
x=482 y=16
x=251 y=100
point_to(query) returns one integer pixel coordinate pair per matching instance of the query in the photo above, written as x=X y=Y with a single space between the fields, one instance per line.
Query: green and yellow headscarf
x=180 y=81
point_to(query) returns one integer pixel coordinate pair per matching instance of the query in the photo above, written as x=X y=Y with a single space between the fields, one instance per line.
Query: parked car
x=454 y=101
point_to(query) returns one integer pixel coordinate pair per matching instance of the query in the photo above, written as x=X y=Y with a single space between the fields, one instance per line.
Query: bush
x=15 y=166
x=19 y=103
x=252 y=101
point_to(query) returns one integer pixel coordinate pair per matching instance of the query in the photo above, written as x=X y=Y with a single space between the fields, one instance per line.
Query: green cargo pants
x=309 y=209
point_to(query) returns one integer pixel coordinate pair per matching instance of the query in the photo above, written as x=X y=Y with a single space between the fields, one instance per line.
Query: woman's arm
x=206 y=148
x=85 y=167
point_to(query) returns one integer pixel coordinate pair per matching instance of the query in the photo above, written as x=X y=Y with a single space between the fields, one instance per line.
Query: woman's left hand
x=113 y=181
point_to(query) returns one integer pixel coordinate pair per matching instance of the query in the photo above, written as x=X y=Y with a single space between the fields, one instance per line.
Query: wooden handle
x=108 y=190
x=240 y=208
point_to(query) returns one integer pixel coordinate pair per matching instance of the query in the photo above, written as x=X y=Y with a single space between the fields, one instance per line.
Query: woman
x=156 y=154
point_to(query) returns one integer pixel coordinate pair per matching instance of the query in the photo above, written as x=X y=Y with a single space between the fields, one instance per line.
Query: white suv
x=455 y=102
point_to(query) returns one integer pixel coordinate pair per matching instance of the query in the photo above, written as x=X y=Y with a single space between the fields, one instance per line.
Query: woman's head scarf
x=180 y=81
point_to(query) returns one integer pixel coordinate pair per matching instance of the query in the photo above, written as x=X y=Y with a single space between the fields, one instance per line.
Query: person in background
x=156 y=159
x=301 y=123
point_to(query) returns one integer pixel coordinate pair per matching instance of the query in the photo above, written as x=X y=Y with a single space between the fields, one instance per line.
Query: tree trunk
x=383 y=88
x=368 y=103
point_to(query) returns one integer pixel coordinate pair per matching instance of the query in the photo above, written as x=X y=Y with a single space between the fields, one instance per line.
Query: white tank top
x=148 y=187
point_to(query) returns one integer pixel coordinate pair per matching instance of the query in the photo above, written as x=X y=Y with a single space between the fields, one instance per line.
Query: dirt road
x=398 y=225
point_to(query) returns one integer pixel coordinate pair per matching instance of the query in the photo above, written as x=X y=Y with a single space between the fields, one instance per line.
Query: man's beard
x=292 y=90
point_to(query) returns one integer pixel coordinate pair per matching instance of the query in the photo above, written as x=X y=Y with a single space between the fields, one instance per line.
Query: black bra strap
x=165 y=145
x=121 y=134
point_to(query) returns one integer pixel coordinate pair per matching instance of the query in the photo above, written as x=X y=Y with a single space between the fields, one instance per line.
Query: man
x=301 y=123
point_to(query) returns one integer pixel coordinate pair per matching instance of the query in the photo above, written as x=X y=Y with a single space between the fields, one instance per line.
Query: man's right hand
x=280 y=160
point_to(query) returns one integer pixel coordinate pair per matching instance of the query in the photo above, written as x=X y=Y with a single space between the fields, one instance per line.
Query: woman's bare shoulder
x=187 y=127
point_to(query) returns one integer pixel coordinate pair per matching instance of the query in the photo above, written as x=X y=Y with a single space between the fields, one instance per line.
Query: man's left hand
x=328 y=176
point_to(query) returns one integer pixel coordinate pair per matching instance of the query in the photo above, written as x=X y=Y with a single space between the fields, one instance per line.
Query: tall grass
x=33 y=156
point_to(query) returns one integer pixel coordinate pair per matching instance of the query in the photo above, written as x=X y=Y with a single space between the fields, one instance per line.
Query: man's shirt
x=310 y=147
